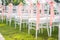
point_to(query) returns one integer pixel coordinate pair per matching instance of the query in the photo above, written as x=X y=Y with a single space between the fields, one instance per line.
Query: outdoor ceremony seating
x=28 y=16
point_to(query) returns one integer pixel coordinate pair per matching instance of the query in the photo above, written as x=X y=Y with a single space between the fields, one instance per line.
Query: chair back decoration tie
x=1 y=7
x=38 y=16
x=10 y=7
x=51 y=12
x=20 y=10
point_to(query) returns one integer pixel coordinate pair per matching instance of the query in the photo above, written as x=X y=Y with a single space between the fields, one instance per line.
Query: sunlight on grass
x=10 y=33
x=2 y=25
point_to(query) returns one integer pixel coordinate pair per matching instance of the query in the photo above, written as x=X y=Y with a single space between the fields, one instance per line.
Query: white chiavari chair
x=9 y=14
x=1 y=10
x=18 y=17
x=32 y=22
x=56 y=20
x=25 y=15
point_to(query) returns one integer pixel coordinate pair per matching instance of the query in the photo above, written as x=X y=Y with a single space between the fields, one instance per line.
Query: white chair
x=25 y=15
x=2 y=13
x=23 y=18
x=6 y=11
x=32 y=22
x=1 y=9
x=18 y=17
x=9 y=15
x=55 y=21
x=18 y=21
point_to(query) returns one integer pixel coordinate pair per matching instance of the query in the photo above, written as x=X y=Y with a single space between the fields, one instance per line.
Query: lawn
x=10 y=33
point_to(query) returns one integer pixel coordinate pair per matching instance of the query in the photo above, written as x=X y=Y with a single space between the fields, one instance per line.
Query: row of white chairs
x=30 y=18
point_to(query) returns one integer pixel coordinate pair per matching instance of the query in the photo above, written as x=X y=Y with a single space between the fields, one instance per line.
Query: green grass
x=10 y=33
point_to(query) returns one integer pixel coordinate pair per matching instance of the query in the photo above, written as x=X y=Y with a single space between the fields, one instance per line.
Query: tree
x=15 y=2
x=57 y=1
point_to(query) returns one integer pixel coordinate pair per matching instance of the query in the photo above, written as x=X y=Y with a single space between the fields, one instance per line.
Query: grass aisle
x=10 y=33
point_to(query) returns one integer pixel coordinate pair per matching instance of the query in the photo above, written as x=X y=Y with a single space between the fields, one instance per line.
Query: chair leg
x=20 y=26
x=59 y=32
x=10 y=22
x=26 y=24
x=2 y=19
x=39 y=30
x=6 y=21
x=53 y=27
x=28 y=28
x=36 y=33
x=15 y=25
x=47 y=29
x=50 y=31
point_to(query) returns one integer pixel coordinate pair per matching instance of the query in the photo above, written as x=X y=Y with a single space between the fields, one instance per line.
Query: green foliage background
x=15 y=2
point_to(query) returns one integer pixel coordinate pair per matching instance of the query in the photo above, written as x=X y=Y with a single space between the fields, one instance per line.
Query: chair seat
x=42 y=20
x=56 y=19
